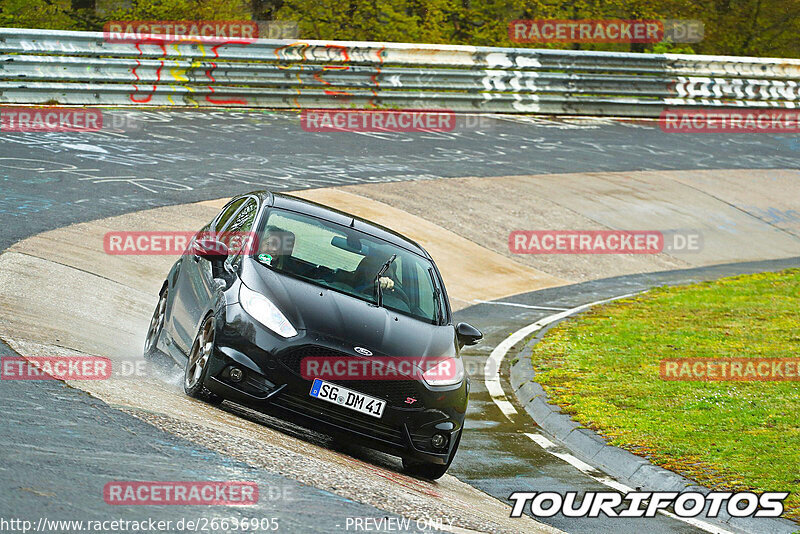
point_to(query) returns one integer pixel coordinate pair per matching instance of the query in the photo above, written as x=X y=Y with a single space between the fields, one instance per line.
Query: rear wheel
x=428 y=470
x=196 y=370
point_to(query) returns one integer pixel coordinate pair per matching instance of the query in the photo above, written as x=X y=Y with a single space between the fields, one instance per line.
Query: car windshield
x=348 y=261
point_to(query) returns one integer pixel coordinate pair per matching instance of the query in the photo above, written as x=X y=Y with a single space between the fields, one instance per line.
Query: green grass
x=603 y=368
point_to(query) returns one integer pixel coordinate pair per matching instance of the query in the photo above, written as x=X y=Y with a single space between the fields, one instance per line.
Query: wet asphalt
x=483 y=459
x=61 y=445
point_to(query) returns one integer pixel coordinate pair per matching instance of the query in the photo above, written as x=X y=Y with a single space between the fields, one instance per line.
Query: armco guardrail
x=48 y=67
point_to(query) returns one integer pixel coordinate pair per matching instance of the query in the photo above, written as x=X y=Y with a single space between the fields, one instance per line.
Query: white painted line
x=708 y=527
x=492 y=380
x=578 y=464
x=491 y=371
x=514 y=304
x=594 y=474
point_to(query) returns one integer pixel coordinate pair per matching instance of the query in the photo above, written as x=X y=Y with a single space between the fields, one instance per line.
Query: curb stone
x=626 y=467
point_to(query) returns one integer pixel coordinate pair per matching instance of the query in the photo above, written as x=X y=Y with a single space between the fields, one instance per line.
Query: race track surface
x=459 y=194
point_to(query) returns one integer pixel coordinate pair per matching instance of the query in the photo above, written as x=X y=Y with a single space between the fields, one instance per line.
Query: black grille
x=291 y=360
x=341 y=417
x=395 y=392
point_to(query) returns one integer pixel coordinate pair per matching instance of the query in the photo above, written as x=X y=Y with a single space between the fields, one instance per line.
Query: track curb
x=628 y=468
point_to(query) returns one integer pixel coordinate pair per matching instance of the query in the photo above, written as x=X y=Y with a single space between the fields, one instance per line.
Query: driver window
x=243 y=222
x=238 y=228
x=225 y=215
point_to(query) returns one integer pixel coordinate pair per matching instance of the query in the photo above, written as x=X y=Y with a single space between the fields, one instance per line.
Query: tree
x=47 y=14
x=732 y=27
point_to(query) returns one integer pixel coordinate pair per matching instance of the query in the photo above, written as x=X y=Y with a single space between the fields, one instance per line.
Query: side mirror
x=210 y=249
x=467 y=334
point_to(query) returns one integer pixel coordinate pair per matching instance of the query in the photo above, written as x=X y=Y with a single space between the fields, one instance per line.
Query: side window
x=243 y=221
x=240 y=225
x=225 y=215
x=424 y=296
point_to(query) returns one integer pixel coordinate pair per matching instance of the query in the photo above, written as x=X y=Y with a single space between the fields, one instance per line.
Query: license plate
x=348 y=398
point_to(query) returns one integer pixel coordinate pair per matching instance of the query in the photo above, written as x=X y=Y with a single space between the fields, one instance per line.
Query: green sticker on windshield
x=265 y=258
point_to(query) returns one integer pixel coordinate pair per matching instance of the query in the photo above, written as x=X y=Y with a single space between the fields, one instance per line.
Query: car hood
x=327 y=314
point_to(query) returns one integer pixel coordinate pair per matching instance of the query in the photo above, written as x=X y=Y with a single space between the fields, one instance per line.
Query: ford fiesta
x=321 y=318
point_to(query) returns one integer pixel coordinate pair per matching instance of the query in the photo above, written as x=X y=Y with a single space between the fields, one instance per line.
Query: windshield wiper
x=436 y=297
x=381 y=272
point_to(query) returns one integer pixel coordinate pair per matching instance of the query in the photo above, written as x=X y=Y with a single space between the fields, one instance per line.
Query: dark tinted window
x=348 y=261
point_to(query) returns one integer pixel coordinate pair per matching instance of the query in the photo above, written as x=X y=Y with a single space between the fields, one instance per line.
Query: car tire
x=427 y=470
x=196 y=370
x=151 y=349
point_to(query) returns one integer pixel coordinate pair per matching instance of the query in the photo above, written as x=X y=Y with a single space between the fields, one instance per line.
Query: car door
x=206 y=287
x=186 y=295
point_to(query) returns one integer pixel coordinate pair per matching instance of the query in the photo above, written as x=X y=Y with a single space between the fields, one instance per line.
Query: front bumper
x=272 y=383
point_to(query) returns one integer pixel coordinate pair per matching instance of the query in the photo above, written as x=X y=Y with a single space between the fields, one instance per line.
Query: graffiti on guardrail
x=207 y=36
x=83 y=68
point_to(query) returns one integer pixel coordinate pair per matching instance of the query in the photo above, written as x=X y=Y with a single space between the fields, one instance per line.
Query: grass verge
x=603 y=368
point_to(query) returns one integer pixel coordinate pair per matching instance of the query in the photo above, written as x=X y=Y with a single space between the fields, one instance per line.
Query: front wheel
x=196 y=370
x=156 y=325
x=430 y=471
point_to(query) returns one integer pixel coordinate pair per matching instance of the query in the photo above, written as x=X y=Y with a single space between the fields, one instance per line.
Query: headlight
x=265 y=312
x=444 y=372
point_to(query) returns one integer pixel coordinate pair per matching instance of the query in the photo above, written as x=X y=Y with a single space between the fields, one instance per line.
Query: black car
x=314 y=286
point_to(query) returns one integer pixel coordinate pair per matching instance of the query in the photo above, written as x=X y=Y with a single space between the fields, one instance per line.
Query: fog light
x=439 y=441
x=236 y=374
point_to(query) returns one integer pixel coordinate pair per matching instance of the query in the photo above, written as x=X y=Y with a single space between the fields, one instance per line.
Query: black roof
x=289 y=202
